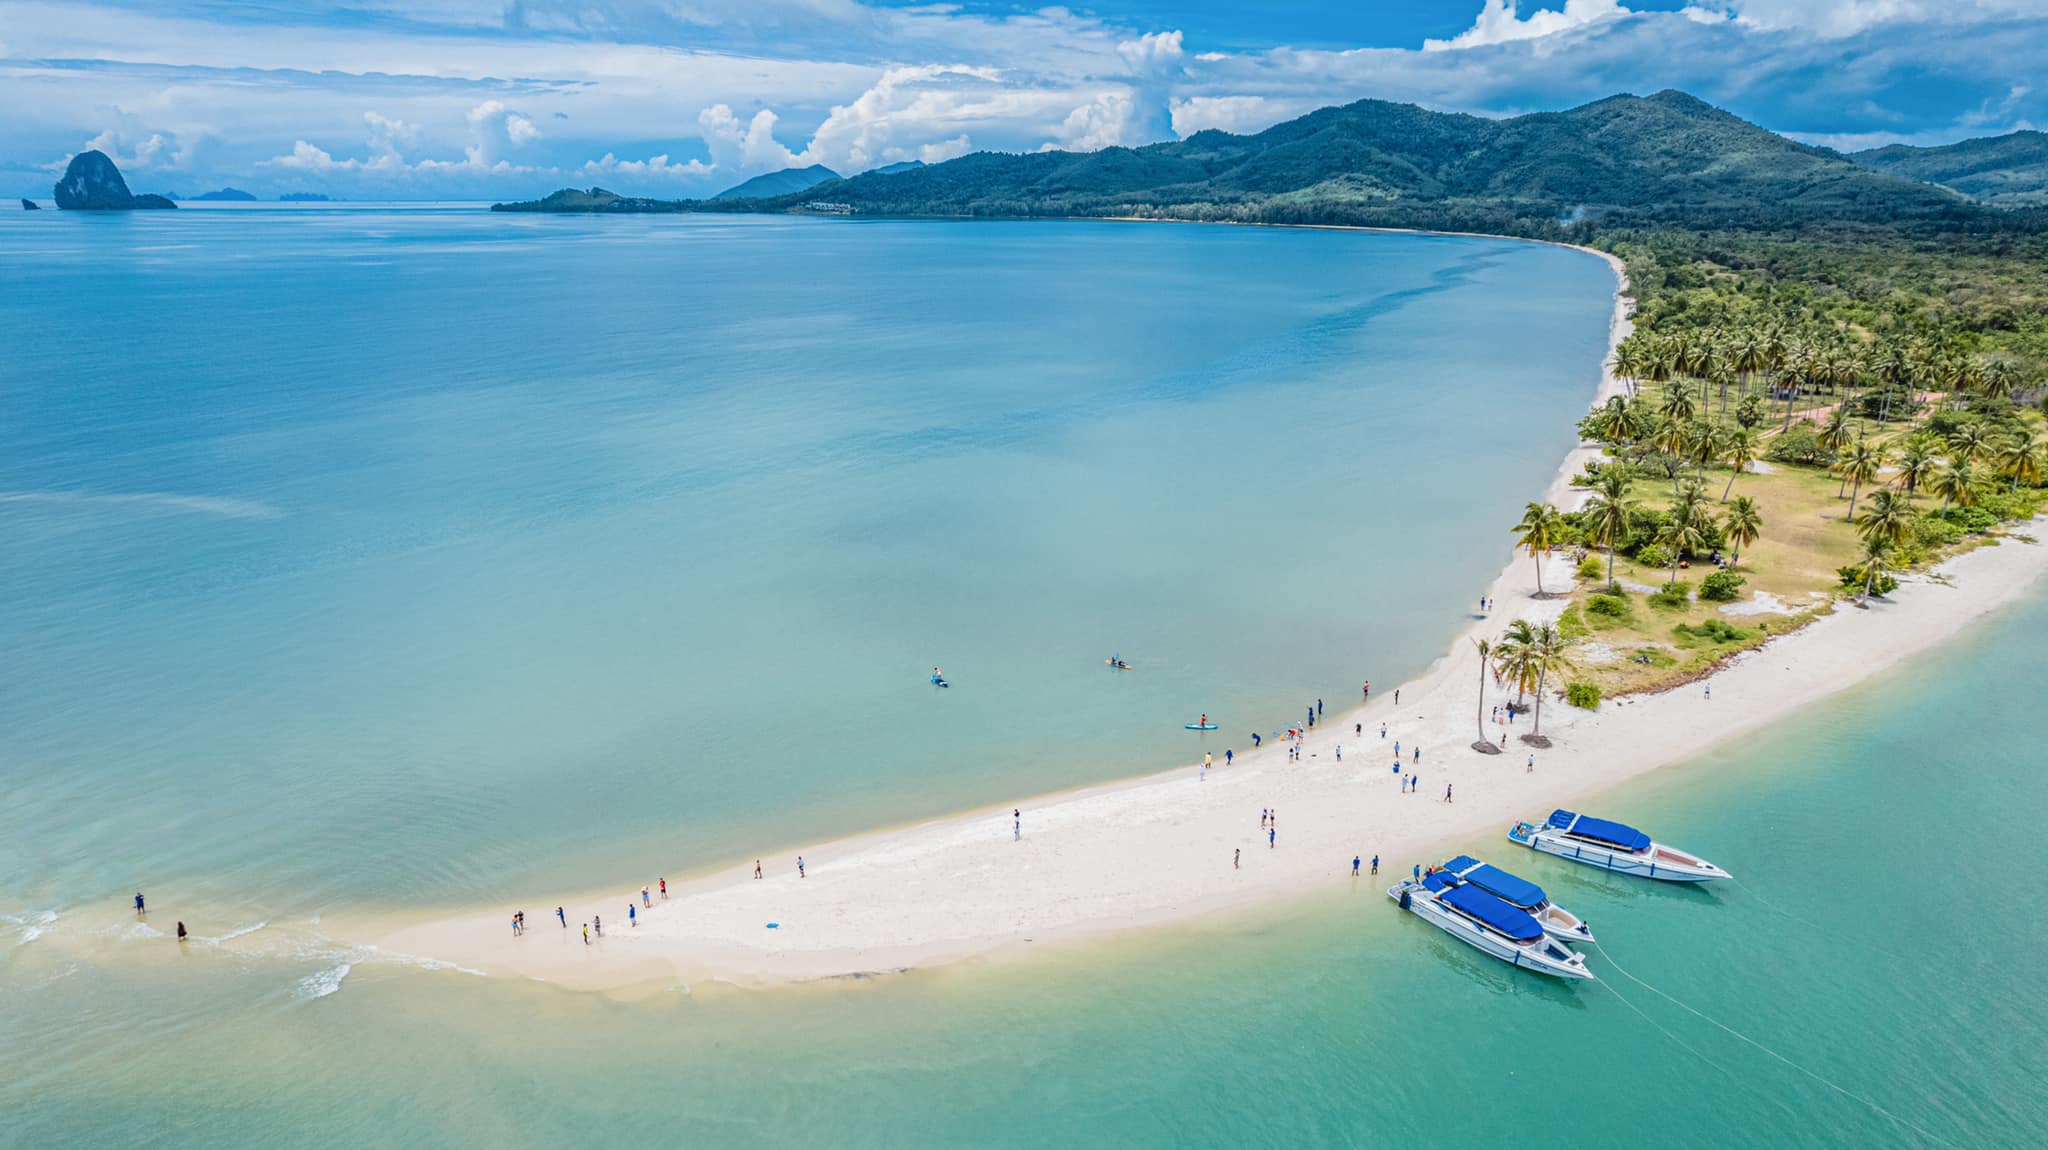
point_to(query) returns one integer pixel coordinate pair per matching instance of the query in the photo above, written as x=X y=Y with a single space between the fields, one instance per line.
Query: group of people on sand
x=596 y=924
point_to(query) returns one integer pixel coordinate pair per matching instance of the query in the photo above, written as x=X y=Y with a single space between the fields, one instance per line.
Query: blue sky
x=417 y=99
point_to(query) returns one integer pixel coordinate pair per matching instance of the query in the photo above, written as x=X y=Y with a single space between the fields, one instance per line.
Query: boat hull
x=1545 y=956
x=1655 y=863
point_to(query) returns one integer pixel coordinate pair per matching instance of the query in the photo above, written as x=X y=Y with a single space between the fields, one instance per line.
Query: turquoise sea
x=375 y=559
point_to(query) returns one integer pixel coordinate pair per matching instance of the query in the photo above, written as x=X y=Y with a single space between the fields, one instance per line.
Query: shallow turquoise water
x=554 y=547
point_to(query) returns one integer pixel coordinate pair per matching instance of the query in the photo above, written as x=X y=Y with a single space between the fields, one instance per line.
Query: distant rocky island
x=596 y=200
x=92 y=183
x=227 y=196
x=28 y=205
x=302 y=198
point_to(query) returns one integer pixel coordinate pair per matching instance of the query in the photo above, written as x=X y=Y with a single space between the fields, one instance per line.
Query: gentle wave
x=158 y=500
x=233 y=934
x=32 y=925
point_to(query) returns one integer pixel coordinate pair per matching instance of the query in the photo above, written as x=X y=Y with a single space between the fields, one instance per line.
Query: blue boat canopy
x=1509 y=920
x=1620 y=835
x=1511 y=889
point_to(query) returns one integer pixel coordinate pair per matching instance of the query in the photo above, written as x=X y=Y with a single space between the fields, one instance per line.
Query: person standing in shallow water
x=138 y=904
x=181 y=932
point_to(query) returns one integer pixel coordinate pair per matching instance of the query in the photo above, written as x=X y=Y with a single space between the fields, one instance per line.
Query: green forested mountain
x=786 y=182
x=2009 y=170
x=1662 y=159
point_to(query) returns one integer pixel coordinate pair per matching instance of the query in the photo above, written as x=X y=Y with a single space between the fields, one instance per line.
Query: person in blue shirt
x=1354 y=866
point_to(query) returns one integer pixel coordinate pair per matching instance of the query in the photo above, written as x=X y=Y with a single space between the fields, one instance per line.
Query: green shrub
x=1592 y=567
x=1607 y=606
x=1801 y=446
x=1585 y=695
x=1678 y=594
x=1655 y=555
x=1714 y=631
x=1721 y=587
x=1969 y=520
x=1930 y=533
x=2009 y=505
x=1852 y=580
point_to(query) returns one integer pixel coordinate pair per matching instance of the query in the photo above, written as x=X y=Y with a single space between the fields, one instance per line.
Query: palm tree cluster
x=1525 y=656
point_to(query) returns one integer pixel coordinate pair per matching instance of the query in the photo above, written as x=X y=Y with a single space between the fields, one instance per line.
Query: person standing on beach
x=1397 y=696
x=1235 y=857
x=1447 y=792
x=1227 y=756
x=1415 y=782
x=586 y=934
x=564 y=917
x=1532 y=765
x=138 y=904
x=646 y=899
x=1017 y=825
x=757 y=868
x=1208 y=760
x=597 y=924
x=664 y=887
x=800 y=873
x=632 y=915
x=1354 y=866
x=1271 y=834
x=1418 y=756
x=515 y=926
x=1340 y=752
x=1319 y=706
x=1375 y=864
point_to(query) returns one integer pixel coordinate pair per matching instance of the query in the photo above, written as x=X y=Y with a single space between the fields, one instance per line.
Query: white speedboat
x=1483 y=922
x=1556 y=921
x=1612 y=846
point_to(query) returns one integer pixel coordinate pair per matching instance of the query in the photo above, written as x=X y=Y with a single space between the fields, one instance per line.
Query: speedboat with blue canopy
x=1556 y=921
x=1484 y=922
x=1612 y=846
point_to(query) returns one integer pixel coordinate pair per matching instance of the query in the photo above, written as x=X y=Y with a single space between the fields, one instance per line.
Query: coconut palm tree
x=1702 y=445
x=1549 y=653
x=1968 y=442
x=1877 y=562
x=1859 y=467
x=1537 y=532
x=1996 y=379
x=1677 y=405
x=2019 y=457
x=1836 y=433
x=1511 y=659
x=1631 y=356
x=1683 y=534
x=1917 y=464
x=1614 y=421
x=1886 y=517
x=1956 y=483
x=1739 y=448
x=1605 y=516
x=1747 y=355
x=1893 y=367
x=1485 y=651
x=1742 y=523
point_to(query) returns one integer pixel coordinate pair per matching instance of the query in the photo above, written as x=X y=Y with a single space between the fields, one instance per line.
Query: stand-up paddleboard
x=1201 y=726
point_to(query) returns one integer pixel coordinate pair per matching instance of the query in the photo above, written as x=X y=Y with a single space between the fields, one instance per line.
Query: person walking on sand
x=515 y=926
x=664 y=887
x=597 y=924
x=586 y=934
x=1271 y=834
x=757 y=868
x=1236 y=856
x=1418 y=756
x=1383 y=730
x=1375 y=864
x=1447 y=792
x=563 y=916
x=1354 y=866
x=646 y=899
x=1358 y=729
x=632 y=915
x=1531 y=767
x=1227 y=756
x=1503 y=740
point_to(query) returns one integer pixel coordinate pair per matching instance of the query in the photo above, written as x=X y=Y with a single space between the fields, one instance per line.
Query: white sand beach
x=1160 y=848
